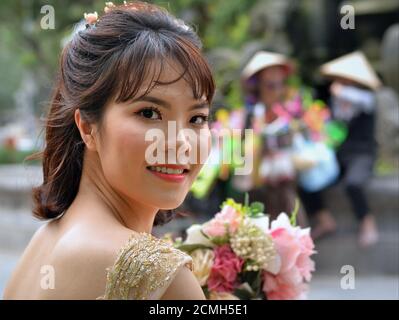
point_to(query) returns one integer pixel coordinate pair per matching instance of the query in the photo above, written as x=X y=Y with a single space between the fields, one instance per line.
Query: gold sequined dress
x=144 y=268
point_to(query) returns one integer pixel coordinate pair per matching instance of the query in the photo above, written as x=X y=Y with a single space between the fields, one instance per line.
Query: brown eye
x=150 y=113
x=199 y=120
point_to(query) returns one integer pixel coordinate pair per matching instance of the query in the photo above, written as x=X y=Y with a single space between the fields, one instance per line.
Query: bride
x=133 y=69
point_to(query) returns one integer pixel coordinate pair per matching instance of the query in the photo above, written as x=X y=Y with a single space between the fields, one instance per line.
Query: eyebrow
x=167 y=105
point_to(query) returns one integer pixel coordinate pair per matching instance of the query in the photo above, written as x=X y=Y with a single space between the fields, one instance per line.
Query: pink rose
x=306 y=265
x=224 y=270
x=287 y=247
x=225 y=221
x=215 y=228
x=281 y=288
x=294 y=249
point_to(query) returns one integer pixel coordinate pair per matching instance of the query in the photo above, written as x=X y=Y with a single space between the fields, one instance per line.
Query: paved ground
x=373 y=287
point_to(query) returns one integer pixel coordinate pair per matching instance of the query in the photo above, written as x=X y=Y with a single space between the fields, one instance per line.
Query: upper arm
x=184 y=286
x=149 y=268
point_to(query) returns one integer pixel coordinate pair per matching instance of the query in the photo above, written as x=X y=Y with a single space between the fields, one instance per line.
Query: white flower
x=262 y=222
x=253 y=244
x=283 y=221
x=108 y=6
x=195 y=236
x=203 y=262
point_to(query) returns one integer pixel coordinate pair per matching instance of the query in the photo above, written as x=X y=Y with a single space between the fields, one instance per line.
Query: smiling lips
x=169 y=172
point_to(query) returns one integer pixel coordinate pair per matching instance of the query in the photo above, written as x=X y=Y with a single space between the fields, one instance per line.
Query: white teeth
x=167 y=170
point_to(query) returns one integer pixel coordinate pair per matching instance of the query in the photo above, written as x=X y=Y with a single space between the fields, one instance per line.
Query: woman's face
x=272 y=85
x=129 y=162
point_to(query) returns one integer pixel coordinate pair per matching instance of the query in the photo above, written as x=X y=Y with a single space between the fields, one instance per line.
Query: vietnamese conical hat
x=262 y=60
x=354 y=67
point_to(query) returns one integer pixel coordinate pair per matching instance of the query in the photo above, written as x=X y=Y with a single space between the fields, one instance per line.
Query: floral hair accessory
x=91 y=18
x=108 y=6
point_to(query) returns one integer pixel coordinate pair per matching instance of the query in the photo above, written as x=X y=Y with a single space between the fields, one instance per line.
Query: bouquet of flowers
x=239 y=255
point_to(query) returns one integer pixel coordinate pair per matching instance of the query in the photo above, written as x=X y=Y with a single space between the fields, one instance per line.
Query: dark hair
x=110 y=59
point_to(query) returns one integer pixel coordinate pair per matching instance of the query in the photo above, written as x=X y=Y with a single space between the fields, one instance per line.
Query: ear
x=86 y=131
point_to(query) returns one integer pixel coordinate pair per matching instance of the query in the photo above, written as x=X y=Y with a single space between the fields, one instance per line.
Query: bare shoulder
x=184 y=287
x=81 y=261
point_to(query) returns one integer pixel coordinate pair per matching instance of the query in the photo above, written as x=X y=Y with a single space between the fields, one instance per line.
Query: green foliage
x=191 y=247
x=25 y=45
x=219 y=23
x=10 y=156
x=251 y=286
x=255 y=209
x=11 y=71
x=233 y=96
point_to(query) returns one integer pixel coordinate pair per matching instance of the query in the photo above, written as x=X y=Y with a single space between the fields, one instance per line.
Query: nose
x=183 y=142
x=178 y=143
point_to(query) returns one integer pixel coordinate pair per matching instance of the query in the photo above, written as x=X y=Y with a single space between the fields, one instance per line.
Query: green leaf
x=206 y=291
x=191 y=247
x=220 y=240
x=253 y=279
x=243 y=294
x=256 y=208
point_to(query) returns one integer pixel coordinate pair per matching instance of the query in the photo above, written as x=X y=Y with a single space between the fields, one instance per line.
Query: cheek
x=123 y=154
x=130 y=143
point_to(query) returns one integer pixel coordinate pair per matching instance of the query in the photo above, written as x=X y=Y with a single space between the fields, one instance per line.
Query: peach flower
x=91 y=17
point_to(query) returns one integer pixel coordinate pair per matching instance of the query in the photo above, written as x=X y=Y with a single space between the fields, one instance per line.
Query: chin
x=169 y=201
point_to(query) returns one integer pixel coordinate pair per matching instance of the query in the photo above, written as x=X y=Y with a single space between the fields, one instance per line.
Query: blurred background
x=308 y=32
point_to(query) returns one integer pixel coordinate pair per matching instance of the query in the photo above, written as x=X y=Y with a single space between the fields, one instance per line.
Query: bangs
x=144 y=61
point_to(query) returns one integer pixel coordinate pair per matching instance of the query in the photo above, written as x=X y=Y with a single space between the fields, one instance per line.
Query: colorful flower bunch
x=239 y=255
x=301 y=111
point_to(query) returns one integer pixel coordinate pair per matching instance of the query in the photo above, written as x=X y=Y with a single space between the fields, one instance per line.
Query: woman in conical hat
x=353 y=101
x=353 y=68
x=264 y=84
x=264 y=76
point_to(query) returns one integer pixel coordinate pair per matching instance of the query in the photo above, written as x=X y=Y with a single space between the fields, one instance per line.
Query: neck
x=95 y=188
